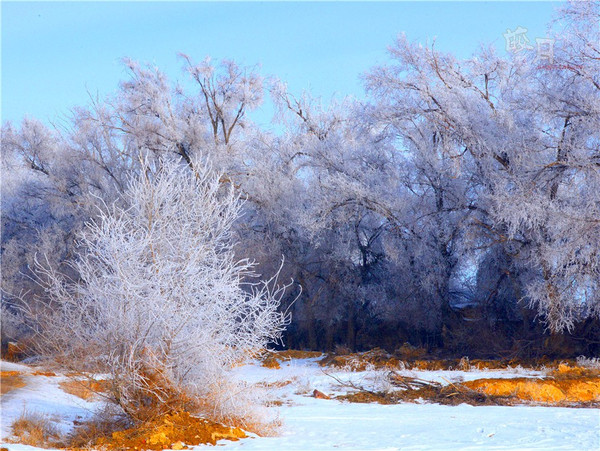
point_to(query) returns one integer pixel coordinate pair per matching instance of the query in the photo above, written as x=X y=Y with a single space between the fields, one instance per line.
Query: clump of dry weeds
x=290 y=354
x=272 y=359
x=374 y=359
x=14 y=352
x=35 y=429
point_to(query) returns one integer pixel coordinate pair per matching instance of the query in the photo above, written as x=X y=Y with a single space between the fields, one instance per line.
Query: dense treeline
x=458 y=208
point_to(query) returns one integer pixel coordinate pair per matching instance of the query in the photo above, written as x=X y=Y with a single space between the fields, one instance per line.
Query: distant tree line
x=457 y=208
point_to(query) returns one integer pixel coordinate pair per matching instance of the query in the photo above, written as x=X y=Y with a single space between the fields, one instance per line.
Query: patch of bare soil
x=567 y=385
x=85 y=388
x=171 y=431
x=584 y=392
x=11 y=380
x=44 y=373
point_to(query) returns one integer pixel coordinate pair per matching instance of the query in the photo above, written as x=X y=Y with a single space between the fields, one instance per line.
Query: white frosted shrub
x=162 y=303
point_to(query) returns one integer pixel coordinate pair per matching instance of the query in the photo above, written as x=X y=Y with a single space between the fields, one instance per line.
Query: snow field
x=316 y=424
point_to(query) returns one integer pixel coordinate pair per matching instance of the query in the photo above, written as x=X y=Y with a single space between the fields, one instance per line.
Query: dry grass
x=464 y=364
x=11 y=380
x=408 y=357
x=564 y=371
x=272 y=359
x=375 y=358
x=85 y=388
x=35 y=429
x=588 y=362
x=296 y=354
x=428 y=365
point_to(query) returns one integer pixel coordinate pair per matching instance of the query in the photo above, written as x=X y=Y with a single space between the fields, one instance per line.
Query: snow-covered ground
x=311 y=424
x=42 y=394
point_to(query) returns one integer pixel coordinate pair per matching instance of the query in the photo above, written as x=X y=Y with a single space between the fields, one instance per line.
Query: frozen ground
x=42 y=394
x=312 y=424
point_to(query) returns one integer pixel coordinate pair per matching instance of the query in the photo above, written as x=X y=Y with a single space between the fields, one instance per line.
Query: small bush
x=161 y=302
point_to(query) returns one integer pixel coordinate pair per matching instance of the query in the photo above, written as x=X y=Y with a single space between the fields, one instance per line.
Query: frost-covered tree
x=554 y=180
x=161 y=302
x=54 y=179
x=509 y=146
x=351 y=243
x=461 y=182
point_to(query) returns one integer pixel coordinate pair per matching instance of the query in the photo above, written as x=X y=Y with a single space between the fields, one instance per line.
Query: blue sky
x=54 y=52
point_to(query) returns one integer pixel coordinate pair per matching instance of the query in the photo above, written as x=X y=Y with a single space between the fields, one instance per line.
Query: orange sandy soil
x=565 y=385
x=10 y=380
x=175 y=431
x=172 y=431
x=545 y=391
